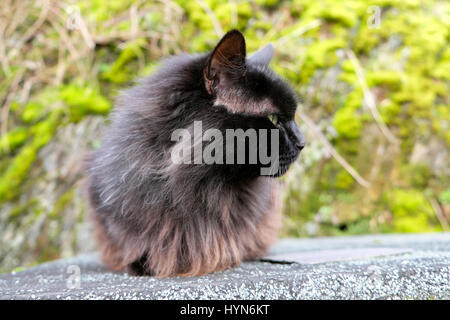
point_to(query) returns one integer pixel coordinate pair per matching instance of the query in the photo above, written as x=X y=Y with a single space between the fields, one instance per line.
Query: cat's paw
x=138 y=268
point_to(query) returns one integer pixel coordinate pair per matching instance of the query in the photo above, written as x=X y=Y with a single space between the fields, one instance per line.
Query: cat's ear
x=227 y=58
x=262 y=56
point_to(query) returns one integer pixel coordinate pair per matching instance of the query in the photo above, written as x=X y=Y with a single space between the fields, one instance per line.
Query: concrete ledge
x=359 y=267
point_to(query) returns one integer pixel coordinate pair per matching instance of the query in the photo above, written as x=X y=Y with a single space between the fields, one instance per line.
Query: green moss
x=204 y=42
x=411 y=211
x=267 y=3
x=354 y=99
x=99 y=10
x=80 y=102
x=33 y=111
x=320 y=54
x=347 y=66
x=366 y=39
x=442 y=68
x=13 y=139
x=389 y=78
x=347 y=123
x=348 y=73
x=15 y=107
x=41 y=104
x=21 y=209
x=416 y=175
x=350 y=78
x=223 y=13
x=413 y=224
x=343 y=180
x=149 y=69
x=360 y=226
x=390 y=111
x=263 y=25
x=244 y=10
x=18 y=170
x=153 y=19
x=444 y=196
x=345 y=13
x=18 y=269
x=43 y=131
x=420 y=92
x=119 y=72
x=441 y=122
x=84 y=100
x=197 y=16
x=61 y=203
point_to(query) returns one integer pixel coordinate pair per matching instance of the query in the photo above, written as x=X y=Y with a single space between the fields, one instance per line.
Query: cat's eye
x=273 y=118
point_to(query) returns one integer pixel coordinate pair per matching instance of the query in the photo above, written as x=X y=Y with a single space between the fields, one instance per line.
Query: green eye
x=273 y=118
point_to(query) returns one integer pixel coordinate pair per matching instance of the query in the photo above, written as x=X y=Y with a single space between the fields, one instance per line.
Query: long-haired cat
x=153 y=216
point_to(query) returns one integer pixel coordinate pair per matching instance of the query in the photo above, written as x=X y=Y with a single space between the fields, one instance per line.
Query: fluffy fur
x=154 y=217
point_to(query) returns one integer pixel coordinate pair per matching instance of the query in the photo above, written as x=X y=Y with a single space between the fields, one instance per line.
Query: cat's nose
x=300 y=145
x=296 y=136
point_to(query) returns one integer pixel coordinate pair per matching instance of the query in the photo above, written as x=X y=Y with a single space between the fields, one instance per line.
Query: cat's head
x=247 y=88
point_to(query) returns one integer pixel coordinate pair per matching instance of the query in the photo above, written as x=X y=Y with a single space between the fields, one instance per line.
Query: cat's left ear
x=227 y=59
x=262 y=56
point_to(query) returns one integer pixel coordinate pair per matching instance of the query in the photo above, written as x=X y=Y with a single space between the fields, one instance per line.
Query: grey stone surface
x=322 y=256
x=359 y=267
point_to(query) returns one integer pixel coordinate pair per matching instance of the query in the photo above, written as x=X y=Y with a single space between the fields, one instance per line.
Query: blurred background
x=374 y=78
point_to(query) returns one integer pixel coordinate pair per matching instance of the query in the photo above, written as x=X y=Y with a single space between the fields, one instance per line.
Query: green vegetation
x=411 y=211
x=59 y=74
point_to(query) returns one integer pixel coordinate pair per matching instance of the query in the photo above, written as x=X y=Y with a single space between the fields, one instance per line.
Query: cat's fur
x=155 y=217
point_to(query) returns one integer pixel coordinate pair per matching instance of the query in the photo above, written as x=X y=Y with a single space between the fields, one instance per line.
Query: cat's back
x=141 y=123
x=173 y=80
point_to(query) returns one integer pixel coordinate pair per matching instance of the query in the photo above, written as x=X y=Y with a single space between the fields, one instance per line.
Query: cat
x=155 y=217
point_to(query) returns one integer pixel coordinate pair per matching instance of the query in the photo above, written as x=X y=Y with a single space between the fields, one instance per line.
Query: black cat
x=159 y=217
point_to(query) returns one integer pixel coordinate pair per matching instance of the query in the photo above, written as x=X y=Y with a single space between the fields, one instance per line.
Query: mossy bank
x=65 y=64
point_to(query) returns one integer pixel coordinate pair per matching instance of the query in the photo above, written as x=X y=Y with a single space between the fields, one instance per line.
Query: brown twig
x=363 y=182
x=15 y=14
x=83 y=28
x=369 y=98
x=7 y=104
x=299 y=31
x=211 y=16
x=61 y=67
x=123 y=37
x=64 y=37
x=439 y=214
x=31 y=32
x=134 y=20
x=233 y=13
x=3 y=57
x=26 y=89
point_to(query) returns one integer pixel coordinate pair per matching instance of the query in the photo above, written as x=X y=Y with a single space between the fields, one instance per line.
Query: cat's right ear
x=226 y=60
